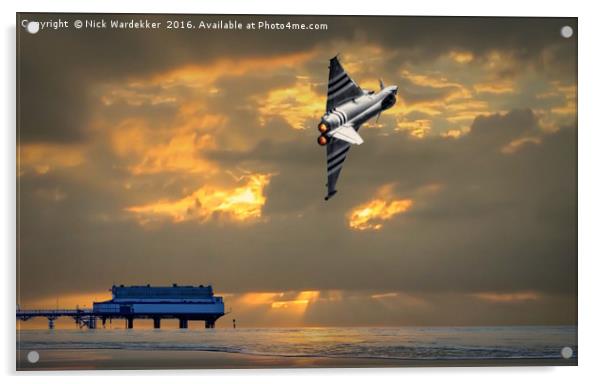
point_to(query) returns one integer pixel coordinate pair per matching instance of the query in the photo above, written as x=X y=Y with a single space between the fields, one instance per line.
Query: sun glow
x=298 y=304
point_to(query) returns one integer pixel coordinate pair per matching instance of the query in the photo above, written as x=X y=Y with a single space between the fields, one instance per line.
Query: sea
x=416 y=343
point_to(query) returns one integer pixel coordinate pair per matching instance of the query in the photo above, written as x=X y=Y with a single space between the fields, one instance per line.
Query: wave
x=399 y=344
x=396 y=353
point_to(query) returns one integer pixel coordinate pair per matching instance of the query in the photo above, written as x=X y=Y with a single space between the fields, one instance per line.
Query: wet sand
x=119 y=359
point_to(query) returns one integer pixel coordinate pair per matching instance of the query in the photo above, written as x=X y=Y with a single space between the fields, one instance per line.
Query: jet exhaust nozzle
x=323 y=140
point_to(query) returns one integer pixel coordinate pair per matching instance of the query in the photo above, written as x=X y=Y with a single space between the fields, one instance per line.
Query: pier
x=82 y=317
x=184 y=303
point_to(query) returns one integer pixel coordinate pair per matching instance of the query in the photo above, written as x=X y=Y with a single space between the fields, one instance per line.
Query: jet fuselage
x=360 y=109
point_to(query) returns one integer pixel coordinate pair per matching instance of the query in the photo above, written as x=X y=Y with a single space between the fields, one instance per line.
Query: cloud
x=462 y=57
x=299 y=303
x=495 y=87
x=384 y=295
x=452 y=133
x=517 y=144
x=371 y=215
x=296 y=104
x=418 y=128
x=241 y=203
x=515 y=297
x=200 y=76
x=175 y=147
x=42 y=158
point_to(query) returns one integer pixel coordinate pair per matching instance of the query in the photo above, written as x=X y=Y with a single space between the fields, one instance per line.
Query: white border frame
x=590 y=187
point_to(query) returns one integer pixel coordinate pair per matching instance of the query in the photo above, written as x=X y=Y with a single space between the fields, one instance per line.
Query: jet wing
x=341 y=86
x=347 y=133
x=336 y=152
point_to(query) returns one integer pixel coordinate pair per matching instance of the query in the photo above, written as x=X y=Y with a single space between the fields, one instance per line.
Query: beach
x=81 y=349
x=116 y=359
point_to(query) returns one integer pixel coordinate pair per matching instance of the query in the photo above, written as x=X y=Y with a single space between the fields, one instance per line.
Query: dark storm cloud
x=499 y=223
x=426 y=38
x=505 y=216
x=413 y=93
x=58 y=68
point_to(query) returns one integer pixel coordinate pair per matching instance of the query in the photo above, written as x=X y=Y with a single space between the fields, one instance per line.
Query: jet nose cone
x=394 y=90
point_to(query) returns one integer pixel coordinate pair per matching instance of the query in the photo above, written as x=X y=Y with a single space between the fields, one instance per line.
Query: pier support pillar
x=51 y=323
x=129 y=322
x=209 y=323
x=183 y=323
x=157 y=322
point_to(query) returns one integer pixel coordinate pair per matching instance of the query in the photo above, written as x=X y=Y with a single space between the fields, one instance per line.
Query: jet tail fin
x=382 y=84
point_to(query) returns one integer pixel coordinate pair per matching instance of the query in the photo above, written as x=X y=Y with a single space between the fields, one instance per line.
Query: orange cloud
x=178 y=144
x=135 y=95
x=429 y=108
x=294 y=104
x=499 y=61
x=242 y=203
x=468 y=106
x=258 y=298
x=299 y=303
x=453 y=133
x=176 y=148
x=384 y=295
x=181 y=153
x=569 y=109
x=371 y=215
x=417 y=128
x=432 y=81
x=203 y=75
x=43 y=157
x=463 y=113
x=516 y=145
x=563 y=110
x=277 y=308
x=515 y=297
x=461 y=57
x=495 y=87
x=129 y=137
x=456 y=105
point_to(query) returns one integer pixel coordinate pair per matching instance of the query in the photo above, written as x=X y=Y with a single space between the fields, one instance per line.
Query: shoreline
x=123 y=359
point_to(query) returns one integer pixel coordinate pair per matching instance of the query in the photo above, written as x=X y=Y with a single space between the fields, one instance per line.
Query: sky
x=190 y=157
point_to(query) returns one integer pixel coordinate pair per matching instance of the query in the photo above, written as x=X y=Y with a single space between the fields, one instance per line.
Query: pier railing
x=51 y=312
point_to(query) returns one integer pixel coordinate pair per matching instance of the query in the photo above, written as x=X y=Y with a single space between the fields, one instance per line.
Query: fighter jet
x=347 y=107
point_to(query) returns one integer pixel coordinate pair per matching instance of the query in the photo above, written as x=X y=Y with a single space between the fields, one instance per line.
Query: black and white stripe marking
x=335 y=160
x=340 y=115
x=336 y=78
x=338 y=85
